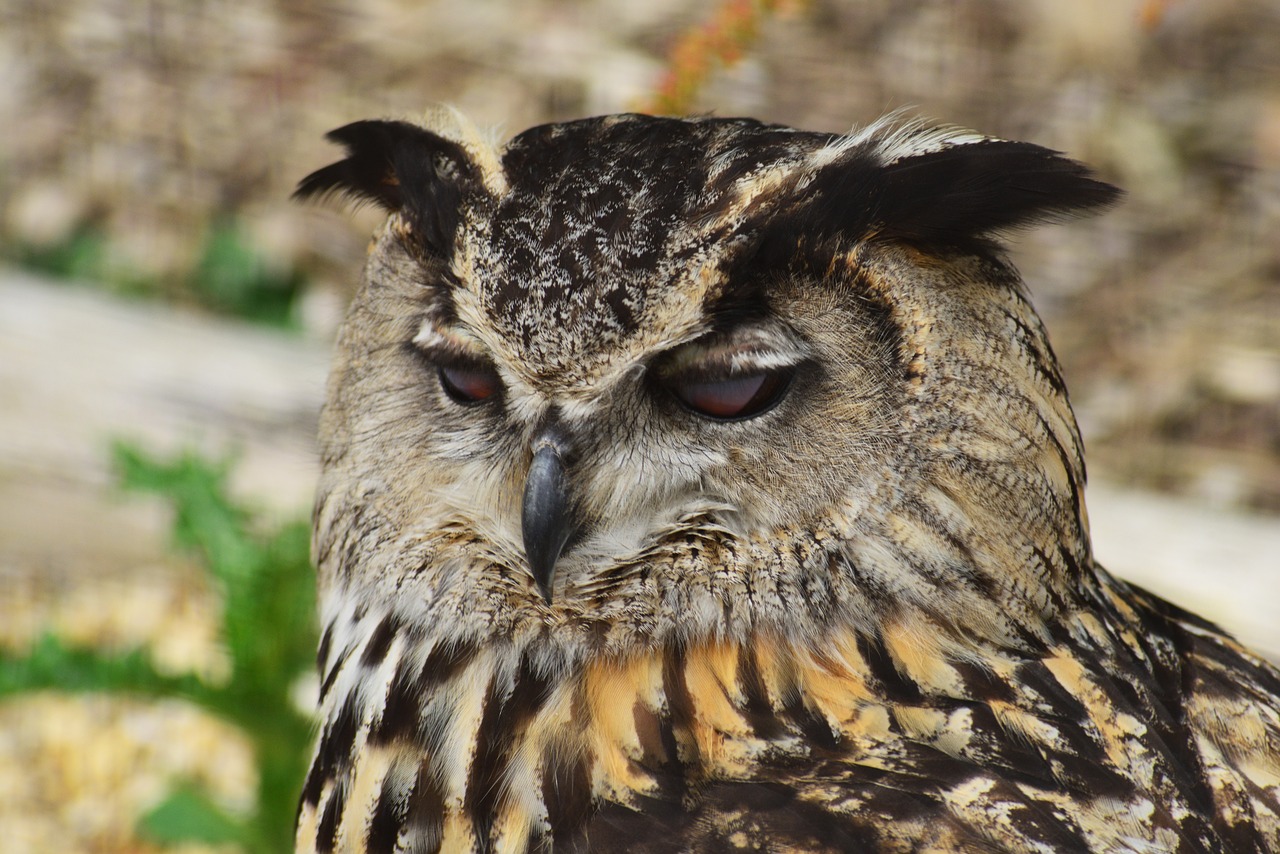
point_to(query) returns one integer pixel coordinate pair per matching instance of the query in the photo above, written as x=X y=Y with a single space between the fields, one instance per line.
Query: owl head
x=632 y=380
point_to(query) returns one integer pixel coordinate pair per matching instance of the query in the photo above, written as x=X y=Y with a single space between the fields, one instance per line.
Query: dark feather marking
x=1174 y=681
x=312 y=786
x=1128 y=690
x=982 y=684
x=332 y=675
x=424 y=826
x=1036 y=344
x=963 y=560
x=1051 y=591
x=401 y=716
x=997 y=748
x=839 y=205
x=757 y=708
x=504 y=718
x=819 y=592
x=327 y=829
x=653 y=826
x=895 y=685
x=1242 y=836
x=1080 y=769
x=1075 y=571
x=353 y=546
x=1034 y=821
x=566 y=792
x=380 y=641
x=322 y=653
x=445 y=661
x=1167 y=614
x=1219 y=663
x=767 y=146
x=657 y=744
x=886 y=333
x=334 y=752
x=616 y=299
x=1071 y=464
x=745 y=300
x=389 y=815
x=769 y=817
x=660 y=756
x=789 y=823
x=813 y=726
x=679 y=703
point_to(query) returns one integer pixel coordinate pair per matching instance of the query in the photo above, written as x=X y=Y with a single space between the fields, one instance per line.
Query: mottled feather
x=863 y=615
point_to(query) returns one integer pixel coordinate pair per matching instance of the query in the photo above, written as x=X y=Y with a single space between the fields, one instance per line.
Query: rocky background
x=143 y=137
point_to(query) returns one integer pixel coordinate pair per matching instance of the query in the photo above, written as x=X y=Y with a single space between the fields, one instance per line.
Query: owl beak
x=546 y=520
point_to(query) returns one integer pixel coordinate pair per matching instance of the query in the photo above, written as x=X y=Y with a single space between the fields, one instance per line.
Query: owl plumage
x=709 y=485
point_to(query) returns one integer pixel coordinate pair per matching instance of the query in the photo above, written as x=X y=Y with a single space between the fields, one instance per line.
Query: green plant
x=268 y=594
x=234 y=278
x=229 y=276
x=80 y=254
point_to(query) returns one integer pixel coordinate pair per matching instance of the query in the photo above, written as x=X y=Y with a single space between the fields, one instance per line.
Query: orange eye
x=469 y=384
x=732 y=398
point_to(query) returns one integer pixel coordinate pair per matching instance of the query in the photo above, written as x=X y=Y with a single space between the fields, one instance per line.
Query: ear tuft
x=942 y=186
x=401 y=168
x=973 y=189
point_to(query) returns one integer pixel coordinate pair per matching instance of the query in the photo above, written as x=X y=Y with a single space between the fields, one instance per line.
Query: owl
x=707 y=485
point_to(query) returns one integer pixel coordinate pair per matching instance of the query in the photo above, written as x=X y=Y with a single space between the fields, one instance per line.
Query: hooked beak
x=546 y=518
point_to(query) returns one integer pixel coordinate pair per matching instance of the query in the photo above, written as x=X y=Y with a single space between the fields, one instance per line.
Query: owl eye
x=469 y=384
x=734 y=397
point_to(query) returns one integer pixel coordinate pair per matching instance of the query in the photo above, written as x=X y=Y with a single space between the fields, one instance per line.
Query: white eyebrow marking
x=743 y=350
x=433 y=337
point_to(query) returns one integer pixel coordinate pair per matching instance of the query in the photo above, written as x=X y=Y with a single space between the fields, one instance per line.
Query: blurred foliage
x=719 y=43
x=268 y=591
x=81 y=255
x=230 y=276
x=233 y=278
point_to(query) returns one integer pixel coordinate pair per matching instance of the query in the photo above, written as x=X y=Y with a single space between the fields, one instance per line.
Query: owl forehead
x=611 y=236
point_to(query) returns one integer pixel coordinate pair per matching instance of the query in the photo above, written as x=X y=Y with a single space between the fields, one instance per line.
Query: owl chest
x=472 y=749
x=483 y=749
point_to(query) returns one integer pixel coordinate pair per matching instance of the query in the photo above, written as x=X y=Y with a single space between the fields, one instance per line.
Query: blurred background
x=157 y=286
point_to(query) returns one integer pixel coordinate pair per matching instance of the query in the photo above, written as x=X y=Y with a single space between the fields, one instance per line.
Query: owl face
x=631 y=379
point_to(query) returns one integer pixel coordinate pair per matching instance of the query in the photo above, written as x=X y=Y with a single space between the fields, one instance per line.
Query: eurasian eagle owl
x=710 y=485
